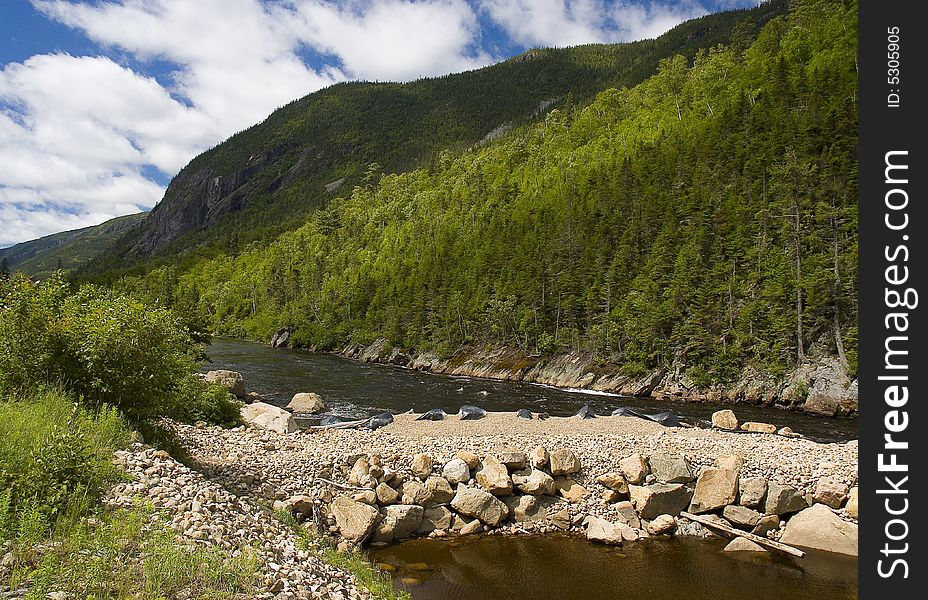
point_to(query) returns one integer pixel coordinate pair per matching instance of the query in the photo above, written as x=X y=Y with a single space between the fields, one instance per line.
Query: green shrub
x=104 y=347
x=55 y=456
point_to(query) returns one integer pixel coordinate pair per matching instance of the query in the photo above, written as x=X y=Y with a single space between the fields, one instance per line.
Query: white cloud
x=573 y=22
x=391 y=39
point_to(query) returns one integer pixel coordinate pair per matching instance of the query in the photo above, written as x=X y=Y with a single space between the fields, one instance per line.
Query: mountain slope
x=268 y=178
x=701 y=223
x=68 y=250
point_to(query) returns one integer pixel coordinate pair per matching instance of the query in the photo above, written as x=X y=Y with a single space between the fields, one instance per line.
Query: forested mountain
x=267 y=179
x=704 y=219
x=68 y=250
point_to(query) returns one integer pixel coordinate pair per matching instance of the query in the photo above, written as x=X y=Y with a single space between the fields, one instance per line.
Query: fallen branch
x=342 y=486
x=343 y=425
x=762 y=541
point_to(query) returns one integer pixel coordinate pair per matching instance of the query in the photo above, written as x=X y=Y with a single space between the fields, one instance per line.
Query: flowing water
x=568 y=567
x=353 y=389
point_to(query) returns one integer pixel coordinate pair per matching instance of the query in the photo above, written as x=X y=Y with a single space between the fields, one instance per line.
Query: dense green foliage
x=268 y=178
x=68 y=250
x=55 y=461
x=705 y=218
x=55 y=457
x=107 y=348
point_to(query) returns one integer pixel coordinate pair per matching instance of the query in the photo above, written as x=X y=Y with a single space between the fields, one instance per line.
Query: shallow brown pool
x=568 y=567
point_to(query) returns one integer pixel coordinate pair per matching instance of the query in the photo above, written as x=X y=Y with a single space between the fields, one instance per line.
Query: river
x=354 y=389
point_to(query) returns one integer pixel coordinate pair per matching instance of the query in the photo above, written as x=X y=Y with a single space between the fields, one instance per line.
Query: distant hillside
x=269 y=178
x=68 y=250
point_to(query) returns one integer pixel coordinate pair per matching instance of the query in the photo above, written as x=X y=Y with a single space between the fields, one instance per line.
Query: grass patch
x=375 y=581
x=119 y=554
x=55 y=462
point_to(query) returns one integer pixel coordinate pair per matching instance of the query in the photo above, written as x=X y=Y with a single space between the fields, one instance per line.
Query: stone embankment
x=614 y=479
x=821 y=387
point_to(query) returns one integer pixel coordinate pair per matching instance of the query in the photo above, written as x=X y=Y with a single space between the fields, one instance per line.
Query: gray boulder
x=663 y=498
x=231 y=380
x=456 y=471
x=783 y=499
x=479 y=504
x=670 y=468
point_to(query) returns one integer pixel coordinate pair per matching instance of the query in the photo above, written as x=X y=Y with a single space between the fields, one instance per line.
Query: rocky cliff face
x=821 y=387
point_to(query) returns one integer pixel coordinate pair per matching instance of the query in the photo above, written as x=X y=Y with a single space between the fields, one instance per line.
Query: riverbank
x=401 y=472
x=819 y=387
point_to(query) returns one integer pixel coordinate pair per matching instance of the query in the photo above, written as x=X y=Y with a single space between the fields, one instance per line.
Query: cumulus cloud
x=573 y=22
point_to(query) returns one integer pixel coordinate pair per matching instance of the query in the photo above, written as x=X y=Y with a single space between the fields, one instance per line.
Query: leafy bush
x=105 y=347
x=54 y=455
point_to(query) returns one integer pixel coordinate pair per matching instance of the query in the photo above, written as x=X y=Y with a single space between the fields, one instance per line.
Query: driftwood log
x=761 y=541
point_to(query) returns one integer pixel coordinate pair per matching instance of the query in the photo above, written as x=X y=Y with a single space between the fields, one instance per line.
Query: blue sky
x=103 y=101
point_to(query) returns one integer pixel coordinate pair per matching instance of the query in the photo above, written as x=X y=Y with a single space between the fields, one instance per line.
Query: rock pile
x=204 y=513
x=503 y=492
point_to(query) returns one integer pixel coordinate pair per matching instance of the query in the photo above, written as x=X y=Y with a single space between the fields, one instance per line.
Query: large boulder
x=307 y=403
x=269 y=417
x=439 y=489
x=751 y=491
x=783 y=499
x=820 y=528
x=399 y=522
x=569 y=490
x=724 y=419
x=670 y=468
x=435 y=517
x=477 y=503
x=635 y=468
x=493 y=476
x=662 y=498
x=456 y=471
x=231 y=380
x=602 y=531
x=355 y=520
x=421 y=465
x=525 y=509
x=533 y=481
x=830 y=491
x=715 y=488
x=563 y=462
